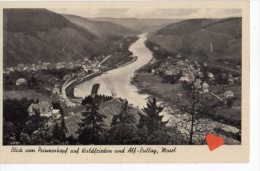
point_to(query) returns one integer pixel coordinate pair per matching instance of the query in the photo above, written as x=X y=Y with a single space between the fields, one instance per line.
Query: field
x=29 y=94
x=151 y=84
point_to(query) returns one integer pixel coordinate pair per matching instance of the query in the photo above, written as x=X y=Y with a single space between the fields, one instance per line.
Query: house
x=86 y=68
x=197 y=83
x=228 y=94
x=20 y=67
x=178 y=56
x=21 y=81
x=191 y=67
x=185 y=78
x=196 y=63
x=71 y=65
x=8 y=70
x=231 y=81
x=200 y=74
x=205 y=87
x=32 y=67
x=180 y=63
x=46 y=65
x=25 y=68
x=171 y=71
x=95 y=69
x=86 y=59
x=56 y=90
x=67 y=77
x=43 y=107
x=56 y=113
x=152 y=61
x=210 y=75
x=60 y=65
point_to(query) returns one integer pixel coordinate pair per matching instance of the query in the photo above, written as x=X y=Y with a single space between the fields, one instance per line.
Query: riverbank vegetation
x=121 y=55
x=165 y=77
x=123 y=129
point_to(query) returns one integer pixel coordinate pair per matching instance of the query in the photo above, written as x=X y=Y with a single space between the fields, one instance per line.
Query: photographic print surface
x=103 y=75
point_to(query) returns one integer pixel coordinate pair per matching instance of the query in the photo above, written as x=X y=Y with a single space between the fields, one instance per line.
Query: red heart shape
x=214 y=141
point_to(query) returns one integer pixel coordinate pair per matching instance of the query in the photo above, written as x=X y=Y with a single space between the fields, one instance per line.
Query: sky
x=152 y=13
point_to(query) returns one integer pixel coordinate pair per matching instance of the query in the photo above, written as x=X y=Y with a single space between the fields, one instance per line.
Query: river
x=119 y=80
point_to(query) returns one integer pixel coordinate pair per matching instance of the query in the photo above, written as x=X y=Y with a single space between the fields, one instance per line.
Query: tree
x=41 y=136
x=151 y=117
x=91 y=125
x=165 y=136
x=33 y=122
x=98 y=98
x=35 y=131
x=72 y=140
x=123 y=117
x=87 y=100
x=9 y=137
x=57 y=105
x=63 y=124
x=152 y=128
x=123 y=130
x=63 y=128
x=196 y=101
x=25 y=139
x=58 y=134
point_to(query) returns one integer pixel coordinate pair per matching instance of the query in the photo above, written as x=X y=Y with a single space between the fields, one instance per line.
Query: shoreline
x=228 y=128
x=70 y=89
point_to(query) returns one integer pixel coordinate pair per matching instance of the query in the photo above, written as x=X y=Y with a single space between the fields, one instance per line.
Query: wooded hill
x=143 y=25
x=32 y=35
x=202 y=39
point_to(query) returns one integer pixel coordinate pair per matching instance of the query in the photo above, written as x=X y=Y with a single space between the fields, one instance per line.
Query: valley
x=147 y=81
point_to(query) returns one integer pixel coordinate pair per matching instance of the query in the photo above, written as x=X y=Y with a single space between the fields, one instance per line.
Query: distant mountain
x=32 y=35
x=202 y=39
x=144 y=25
x=102 y=29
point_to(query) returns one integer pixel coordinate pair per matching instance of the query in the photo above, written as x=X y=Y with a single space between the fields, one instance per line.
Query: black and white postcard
x=112 y=82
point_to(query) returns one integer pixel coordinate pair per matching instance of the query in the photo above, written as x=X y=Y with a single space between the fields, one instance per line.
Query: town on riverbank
x=117 y=85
